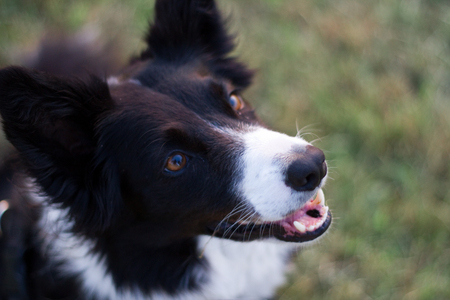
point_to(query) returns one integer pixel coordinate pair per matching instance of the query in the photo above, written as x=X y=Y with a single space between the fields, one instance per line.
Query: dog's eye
x=236 y=102
x=176 y=162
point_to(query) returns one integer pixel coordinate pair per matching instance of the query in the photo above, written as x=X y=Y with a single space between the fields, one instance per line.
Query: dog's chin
x=304 y=225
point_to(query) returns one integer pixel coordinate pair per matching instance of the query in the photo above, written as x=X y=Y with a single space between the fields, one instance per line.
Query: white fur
x=263 y=185
x=111 y=81
x=134 y=81
x=74 y=253
x=250 y=270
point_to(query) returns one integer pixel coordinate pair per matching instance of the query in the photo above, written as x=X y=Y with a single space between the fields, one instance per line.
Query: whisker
x=254 y=225
x=236 y=210
x=232 y=225
x=302 y=132
x=245 y=217
x=206 y=244
x=251 y=230
x=242 y=219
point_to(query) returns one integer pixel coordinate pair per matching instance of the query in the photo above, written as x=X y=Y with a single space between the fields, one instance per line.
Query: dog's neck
x=196 y=268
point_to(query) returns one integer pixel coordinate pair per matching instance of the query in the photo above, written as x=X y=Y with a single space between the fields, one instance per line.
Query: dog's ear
x=187 y=29
x=52 y=123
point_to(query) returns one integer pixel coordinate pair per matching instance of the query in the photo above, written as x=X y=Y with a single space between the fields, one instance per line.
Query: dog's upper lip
x=305 y=224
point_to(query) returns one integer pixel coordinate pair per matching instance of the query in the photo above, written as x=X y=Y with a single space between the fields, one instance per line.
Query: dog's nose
x=307 y=170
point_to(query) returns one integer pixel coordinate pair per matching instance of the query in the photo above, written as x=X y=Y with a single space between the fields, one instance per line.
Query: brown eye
x=236 y=102
x=176 y=162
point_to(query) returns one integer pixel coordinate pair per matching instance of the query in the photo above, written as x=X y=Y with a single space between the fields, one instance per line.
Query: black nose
x=307 y=170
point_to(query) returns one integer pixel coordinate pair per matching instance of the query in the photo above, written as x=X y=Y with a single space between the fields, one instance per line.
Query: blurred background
x=367 y=81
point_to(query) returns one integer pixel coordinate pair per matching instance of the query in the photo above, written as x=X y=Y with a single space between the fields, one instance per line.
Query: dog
x=159 y=182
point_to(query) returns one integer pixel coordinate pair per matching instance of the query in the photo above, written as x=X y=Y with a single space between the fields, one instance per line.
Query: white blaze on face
x=264 y=171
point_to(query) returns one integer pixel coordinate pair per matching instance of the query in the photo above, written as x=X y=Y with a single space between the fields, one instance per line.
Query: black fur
x=100 y=151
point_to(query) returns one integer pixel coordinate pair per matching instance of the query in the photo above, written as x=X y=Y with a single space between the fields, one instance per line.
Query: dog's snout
x=307 y=170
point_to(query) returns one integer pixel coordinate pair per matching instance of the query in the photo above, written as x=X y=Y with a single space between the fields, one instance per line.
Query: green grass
x=369 y=81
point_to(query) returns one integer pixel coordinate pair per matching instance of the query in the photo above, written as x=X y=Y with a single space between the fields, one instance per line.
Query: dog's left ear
x=184 y=30
x=52 y=123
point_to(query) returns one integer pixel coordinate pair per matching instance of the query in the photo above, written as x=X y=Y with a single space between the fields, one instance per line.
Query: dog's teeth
x=319 y=199
x=325 y=213
x=300 y=227
x=311 y=228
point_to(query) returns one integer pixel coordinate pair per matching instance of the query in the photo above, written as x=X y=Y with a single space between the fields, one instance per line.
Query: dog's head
x=169 y=148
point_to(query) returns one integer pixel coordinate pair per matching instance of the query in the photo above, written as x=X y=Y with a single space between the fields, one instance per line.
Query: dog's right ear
x=184 y=30
x=52 y=123
x=187 y=27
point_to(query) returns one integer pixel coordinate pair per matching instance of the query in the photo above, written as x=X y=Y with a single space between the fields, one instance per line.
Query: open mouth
x=306 y=224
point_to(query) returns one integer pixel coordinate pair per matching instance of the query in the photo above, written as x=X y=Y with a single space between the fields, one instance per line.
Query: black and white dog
x=160 y=182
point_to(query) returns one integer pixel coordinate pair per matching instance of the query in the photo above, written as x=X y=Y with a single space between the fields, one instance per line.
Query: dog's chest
x=251 y=270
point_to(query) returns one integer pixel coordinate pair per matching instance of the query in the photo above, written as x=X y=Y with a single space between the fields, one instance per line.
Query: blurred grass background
x=369 y=81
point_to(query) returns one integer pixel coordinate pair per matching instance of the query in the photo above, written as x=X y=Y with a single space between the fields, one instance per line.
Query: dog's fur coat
x=159 y=183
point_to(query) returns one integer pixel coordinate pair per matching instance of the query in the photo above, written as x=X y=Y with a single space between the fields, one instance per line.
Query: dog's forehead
x=184 y=99
x=159 y=73
x=187 y=92
x=197 y=110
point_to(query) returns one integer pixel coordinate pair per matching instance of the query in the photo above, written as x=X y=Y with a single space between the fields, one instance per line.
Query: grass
x=369 y=81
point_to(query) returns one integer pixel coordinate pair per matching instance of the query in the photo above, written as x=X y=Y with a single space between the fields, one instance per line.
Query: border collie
x=159 y=182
